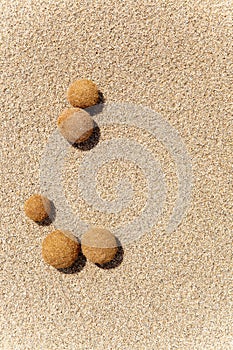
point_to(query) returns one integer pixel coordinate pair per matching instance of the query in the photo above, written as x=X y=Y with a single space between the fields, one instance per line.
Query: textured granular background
x=171 y=291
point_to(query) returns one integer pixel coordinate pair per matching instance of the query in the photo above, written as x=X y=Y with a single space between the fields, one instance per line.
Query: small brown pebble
x=37 y=207
x=99 y=245
x=83 y=93
x=60 y=249
x=76 y=125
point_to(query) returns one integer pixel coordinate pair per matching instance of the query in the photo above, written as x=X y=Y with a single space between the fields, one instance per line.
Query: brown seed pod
x=75 y=124
x=37 y=207
x=99 y=245
x=60 y=249
x=83 y=93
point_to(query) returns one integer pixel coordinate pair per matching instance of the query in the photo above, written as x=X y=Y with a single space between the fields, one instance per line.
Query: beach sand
x=167 y=290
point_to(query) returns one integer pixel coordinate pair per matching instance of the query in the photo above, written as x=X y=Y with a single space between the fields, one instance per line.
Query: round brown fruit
x=76 y=125
x=83 y=93
x=37 y=207
x=60 y=249
x=99 y=245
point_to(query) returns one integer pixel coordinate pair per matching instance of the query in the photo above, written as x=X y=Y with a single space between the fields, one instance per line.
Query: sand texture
x=165 y=290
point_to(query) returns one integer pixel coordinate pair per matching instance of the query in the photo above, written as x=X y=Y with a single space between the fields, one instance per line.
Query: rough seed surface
x=37 y=207
x=99 y=245
x=60 y=249
x=171 y=291
x=83 y=93
x=75 y=125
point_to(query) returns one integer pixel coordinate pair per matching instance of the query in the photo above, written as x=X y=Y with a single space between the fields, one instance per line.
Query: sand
x=168 y=290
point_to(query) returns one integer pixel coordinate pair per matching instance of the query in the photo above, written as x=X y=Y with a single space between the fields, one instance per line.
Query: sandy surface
x=171 y=291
